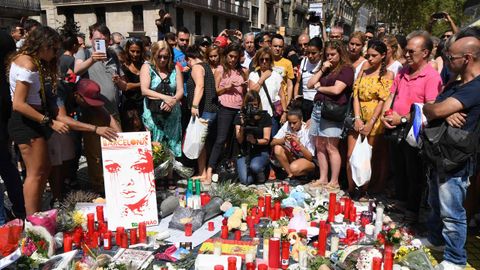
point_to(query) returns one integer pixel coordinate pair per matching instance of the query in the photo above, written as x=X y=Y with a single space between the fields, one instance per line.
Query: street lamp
x=286 y=9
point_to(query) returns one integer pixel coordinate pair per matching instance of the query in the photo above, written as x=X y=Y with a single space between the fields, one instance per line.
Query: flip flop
x=332 y=187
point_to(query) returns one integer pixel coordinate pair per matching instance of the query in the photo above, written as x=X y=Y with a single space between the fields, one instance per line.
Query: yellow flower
x=78 y=218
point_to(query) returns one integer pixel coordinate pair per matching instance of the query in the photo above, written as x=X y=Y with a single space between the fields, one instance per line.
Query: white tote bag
x=195 y=137
x=360 y=162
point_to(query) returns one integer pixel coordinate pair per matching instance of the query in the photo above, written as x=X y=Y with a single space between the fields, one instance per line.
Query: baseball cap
x=90 y=91
x=205 y=41
x=221 y=41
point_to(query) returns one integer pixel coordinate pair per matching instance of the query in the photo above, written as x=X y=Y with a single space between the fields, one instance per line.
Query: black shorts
x=22 y=129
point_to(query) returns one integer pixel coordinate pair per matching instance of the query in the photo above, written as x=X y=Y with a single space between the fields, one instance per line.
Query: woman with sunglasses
x=33 y=76
x=161 y=83
x=263 y=79
x=370 y=91
x=308 y=67
x=333 y=83
x=231 y=85
x=132 y=105
x=355 y=50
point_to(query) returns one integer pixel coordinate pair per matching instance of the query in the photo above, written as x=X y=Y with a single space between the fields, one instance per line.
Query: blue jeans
x=275 y=126
x=210 y=117
x=448 y=219
x=256 y=170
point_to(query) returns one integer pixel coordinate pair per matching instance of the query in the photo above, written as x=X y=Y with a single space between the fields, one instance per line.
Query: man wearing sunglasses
x=459 y=106
x=417 y=82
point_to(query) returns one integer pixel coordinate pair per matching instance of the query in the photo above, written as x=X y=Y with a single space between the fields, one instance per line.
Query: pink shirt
x=232 y=98
x=422 y=88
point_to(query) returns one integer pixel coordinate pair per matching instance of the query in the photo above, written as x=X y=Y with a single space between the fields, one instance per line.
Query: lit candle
x=250 y=265
x=274 y=252
x=378 y=220
x=67 y=242
x=331 y=206
x=218 y=267
x=77 y=236
x=388 y=257
x=262 y=267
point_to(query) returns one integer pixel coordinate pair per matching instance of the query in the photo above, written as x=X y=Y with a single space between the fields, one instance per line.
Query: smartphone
x=438 y=15
x=100 y=45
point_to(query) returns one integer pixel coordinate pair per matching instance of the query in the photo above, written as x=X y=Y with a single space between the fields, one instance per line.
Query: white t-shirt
x=395 y=68
x=359 y=68
x=303 y=134
x=274 y=83
x=18 y=73
x=307 y=70
x=248 y=60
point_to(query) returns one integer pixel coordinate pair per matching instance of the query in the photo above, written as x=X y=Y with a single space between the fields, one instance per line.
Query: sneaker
x=445 y=265
x=431 y=246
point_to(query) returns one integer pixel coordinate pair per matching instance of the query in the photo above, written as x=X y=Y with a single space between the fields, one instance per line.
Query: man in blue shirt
x=459 y=106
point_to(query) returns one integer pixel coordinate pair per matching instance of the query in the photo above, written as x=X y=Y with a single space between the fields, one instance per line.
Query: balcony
x=222 y=7
x=14 y=8
x=91 y=2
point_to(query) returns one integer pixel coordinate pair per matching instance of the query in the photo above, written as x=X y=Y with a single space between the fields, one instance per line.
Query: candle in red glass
x=224 y=234
x=91 y=222
x=376 y=263
x=133 y=236
x=314 y=224
x=238 y=235
x=225 y=221
x=350 y=233
x=218 y=267
x=203 y=199
x=315 y=244
x=93 y=240
x=252 y=232
x=107 y=240
x=304 y=232
x=142 y=232
x=277 y=208
x=353 y=214
x=274 y=253
x=188 y=229
x=346 y=212
x=250 y=266
x=285 y=254
x=124 y=240
x=268 y=205
x=262 y=267
x=118 y=235
x=322 y=238
x=77 y=236
x=67 y=242
x=261 y=206
x=286 y=188
x=232 y=263
x=331 y=206
x=388 y=257
x=211 y=226
x=100 y=217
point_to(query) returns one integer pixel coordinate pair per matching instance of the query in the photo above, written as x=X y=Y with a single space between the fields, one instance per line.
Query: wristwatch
x=403 y=120
x=46 y=121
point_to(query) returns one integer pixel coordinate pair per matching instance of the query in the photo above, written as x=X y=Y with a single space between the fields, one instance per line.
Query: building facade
x=137 y=17
x=11 y=11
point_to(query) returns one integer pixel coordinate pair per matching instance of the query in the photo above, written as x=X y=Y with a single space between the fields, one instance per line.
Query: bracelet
x=357 y=117
x=195 y=106
x=95 y=130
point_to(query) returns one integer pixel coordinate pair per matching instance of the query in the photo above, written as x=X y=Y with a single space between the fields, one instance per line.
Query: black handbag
x=400 y=132
x=333 y=111
x=155 y=105
x=349 y=120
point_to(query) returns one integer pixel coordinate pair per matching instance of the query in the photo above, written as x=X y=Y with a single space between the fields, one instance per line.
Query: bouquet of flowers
x=395 y=236
x=164 y=162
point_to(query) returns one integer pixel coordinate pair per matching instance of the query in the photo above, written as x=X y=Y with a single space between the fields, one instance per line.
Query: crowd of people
x=291 y=112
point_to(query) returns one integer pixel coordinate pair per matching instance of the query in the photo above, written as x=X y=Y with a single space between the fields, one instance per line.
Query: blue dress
x=165 y=127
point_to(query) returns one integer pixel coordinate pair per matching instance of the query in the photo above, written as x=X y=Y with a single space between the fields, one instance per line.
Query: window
x=215 y=25
x=198 y=23
x=179 y=17
x=255 y=17
x=137 y=14
x=100 y=14
x=271 y=15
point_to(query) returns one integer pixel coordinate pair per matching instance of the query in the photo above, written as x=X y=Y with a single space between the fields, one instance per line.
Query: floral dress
x=370 y=91
x=165 y=127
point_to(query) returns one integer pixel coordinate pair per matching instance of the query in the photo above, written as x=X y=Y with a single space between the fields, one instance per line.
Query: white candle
x=244 y=207
x=378 y=220
x=334 y=244
x=277 y=233
x=265 y=250
x=369 y=228
x=302 y=258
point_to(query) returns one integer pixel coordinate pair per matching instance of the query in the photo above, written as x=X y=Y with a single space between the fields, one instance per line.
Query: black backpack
x=447 y=149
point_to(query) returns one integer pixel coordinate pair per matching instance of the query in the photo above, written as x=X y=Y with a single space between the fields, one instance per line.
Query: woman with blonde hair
x=32 y=122
x=393 y=54
x=356 y=42
x=161 y=83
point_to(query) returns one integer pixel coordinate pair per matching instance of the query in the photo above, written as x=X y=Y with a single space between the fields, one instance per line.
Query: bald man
x=336 y=33
x=459 y=106
x=302 y=42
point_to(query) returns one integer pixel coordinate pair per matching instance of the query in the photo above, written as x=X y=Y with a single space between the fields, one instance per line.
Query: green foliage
x=236 y=194
x=315 y=262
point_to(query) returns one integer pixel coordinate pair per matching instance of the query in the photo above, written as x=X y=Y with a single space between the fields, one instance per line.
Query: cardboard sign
x=129 y=180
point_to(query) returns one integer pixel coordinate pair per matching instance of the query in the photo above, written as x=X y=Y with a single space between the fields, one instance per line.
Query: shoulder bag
x=155 y=105
x=277 y=109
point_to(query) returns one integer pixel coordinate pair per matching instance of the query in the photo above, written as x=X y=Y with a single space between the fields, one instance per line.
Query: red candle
x=346 y=212
x=252 y=232
x=142 y=232
x=91 y=222
x=376 y=263
x=118 y=235
x=232 y=263
x=250 y=221
x=188 y=229
x=331 y=207
x=315 y=244
x=388 y=257
x=250 y=266
x=204 y=199
x=77 y=236
x=285 y=254
x=304 y=232
x=224 y=234
x=107 y=240
x=274 y=253
x=262 y=267
x=218 y=267
x=100 y=217
x=93 y=240
x=67 y=242
x=124 y=240
x=211 y=226
x=353 y=214
x=268 y=205
x=277 y=209
x=322 y=238
x=133 y=236
x=238 y=235
x=350 y=233
x=261 y=206
x=286 y=188
x=314 y=224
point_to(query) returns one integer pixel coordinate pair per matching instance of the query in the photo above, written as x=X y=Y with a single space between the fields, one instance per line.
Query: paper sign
x=129 y=180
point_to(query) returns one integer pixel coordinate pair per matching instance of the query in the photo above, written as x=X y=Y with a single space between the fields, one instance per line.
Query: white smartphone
x=100 y=46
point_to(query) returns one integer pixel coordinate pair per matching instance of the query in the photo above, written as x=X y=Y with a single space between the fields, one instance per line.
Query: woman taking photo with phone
x=333 y=83
x=252 y=130
x=231 y=85
x=32 y=74
x=370 y=91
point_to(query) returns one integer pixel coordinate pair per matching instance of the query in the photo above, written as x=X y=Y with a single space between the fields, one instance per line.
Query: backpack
x=447 y=149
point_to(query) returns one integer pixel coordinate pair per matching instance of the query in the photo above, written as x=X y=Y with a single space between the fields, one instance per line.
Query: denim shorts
x=320 y=127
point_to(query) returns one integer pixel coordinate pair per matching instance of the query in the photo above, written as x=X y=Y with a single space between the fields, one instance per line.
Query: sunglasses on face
x=163 y=57
x=265 y=59
x=452 y=58
x=303 y=44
